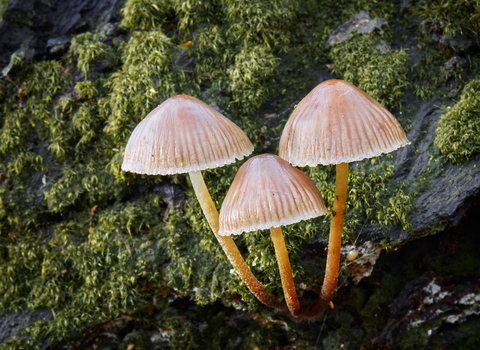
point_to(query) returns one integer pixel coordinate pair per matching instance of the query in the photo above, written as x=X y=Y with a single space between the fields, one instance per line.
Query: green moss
x=3 y=8
x=445 y=32
x=35 y=102
x=85 y=90
x=372 y=193
x=211 y=53
x=261 y=22
x=382 y=76
x=144 y=80
x=94 y=280
x=455 y=18
x=458 y=129
x=86 y=48
x=89 y=182
x=433 y=72
x=254 y=67
x=145 y=14
x=192 y=14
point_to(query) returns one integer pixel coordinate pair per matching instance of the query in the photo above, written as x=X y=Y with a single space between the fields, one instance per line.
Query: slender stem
x=228 y=244
x=334 y=244
x=285 y=271
x=204 y=199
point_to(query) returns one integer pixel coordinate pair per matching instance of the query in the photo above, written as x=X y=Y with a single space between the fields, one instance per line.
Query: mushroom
x=352 y=255
x=185 y=135
x=267 y=193
x=337 y=123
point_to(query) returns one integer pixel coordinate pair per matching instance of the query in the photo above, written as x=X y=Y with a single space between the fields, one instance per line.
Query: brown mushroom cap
x=338 y=123
x=181 y=135
x=268 y=192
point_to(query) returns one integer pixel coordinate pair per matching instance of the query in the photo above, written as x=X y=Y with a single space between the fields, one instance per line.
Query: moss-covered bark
x=107 y=250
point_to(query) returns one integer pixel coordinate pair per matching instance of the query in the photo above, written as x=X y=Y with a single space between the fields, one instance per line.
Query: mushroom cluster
x=336 y=123
x=267 y=193
x=185 y=135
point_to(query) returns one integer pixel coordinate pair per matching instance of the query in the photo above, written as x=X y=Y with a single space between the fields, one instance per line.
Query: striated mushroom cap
x=181 y=135
x=268 y=192
x=338 y=123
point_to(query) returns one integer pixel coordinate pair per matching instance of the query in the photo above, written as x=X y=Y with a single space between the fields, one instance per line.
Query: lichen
x=458 y=129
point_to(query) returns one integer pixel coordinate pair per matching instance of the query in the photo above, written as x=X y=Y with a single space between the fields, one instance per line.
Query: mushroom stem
x=204 y=199
x=227 y=242
x=285 y=271
x=334 y=244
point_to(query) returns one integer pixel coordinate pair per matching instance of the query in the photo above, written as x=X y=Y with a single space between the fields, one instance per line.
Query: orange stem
x=334 y=245
x=285 y=271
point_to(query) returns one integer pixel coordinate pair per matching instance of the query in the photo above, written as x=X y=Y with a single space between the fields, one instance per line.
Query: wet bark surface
x=45 y=27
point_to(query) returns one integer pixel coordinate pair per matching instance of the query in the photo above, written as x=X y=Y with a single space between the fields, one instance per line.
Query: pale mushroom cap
x=268 y=192
x=181 y=135
x=338 y=123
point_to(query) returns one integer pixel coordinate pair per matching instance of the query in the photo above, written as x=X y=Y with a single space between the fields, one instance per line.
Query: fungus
x=267 y=193
x=185 y=135
x=337 y=123
x=352 y=255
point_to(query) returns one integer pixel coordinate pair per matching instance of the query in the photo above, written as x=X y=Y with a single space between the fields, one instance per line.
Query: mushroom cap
x=338 y=123
x=181 y=135
x=268 y=192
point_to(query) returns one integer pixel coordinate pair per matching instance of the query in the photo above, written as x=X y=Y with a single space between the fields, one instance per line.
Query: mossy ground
x=92 y=243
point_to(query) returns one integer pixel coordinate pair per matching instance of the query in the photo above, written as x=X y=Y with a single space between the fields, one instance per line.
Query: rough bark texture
x=42 y=26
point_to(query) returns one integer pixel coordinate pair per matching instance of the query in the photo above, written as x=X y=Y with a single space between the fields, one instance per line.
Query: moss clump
x=85 y=90
x=254 y=67
x=458 y=129
x=94 y=280
x=86 y=48
x=394 y=212
x=3 y=8
x=193 y=14
x=455 y=18
x=382 y=76
x=439 y=71
x=446 y=33
x=86 y=184
x=211 y=52
x=145 y=14
x=371 y=193
x=34 y=113
x=262 y=22
x=145 y=79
